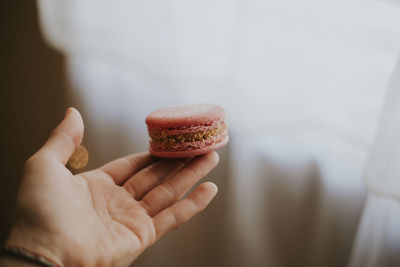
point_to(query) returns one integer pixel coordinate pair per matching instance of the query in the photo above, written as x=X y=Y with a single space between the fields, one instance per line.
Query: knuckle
x=65 y=136
x=176 y=220
x=169 y=190
x=131 y=188
x=146 y=206
x=194 y=171
x=36 y=159
x=132 y=162
x=31 y=161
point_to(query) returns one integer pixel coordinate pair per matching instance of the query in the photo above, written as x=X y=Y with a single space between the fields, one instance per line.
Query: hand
x=107 y=216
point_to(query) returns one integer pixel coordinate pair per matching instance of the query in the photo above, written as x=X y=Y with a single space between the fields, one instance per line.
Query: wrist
x=40 y=245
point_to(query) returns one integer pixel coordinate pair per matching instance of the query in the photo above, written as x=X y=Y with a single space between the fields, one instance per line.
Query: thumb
x=65 y=138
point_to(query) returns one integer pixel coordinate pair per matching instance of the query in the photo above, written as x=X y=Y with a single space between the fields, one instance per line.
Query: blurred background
x=304 y=84
x=33 y=94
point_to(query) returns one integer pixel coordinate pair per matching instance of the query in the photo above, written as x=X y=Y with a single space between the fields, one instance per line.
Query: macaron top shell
x=188 y=115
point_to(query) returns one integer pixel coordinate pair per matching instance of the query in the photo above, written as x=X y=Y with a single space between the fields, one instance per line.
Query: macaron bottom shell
x=189 y=153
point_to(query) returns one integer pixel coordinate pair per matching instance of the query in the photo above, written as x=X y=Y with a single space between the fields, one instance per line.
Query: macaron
x=187 y=131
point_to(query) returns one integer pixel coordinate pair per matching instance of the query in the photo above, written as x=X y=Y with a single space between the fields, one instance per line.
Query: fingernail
x=215 y=189
x=67 y=112
x=217 y=156
x=215 y=186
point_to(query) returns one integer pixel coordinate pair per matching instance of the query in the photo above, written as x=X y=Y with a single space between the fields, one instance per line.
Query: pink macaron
x=187 y=131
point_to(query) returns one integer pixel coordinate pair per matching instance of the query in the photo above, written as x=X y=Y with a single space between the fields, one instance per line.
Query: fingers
x=185 y=209
x=175 y=187
x=65 y=137
x=153 y=175
x=123 y=168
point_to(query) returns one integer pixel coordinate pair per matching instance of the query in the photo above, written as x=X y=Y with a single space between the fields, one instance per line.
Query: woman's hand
x=107 y=216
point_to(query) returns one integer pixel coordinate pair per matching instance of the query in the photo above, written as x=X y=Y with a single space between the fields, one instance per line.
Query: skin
x=107 y=216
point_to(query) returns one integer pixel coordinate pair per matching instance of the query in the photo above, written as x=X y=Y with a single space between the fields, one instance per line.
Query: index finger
x=123 y=168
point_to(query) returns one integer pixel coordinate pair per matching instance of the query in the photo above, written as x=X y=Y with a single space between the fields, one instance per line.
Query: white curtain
x=378 y=238
x=303 y=83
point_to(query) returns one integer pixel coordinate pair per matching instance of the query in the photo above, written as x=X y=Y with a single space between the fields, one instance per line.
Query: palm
x=121 y=226
x=124 y=227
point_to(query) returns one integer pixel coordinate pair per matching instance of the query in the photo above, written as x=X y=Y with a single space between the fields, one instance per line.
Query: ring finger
x=176 y=186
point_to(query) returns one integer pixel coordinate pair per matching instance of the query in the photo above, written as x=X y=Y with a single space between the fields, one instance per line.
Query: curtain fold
x=378 y=237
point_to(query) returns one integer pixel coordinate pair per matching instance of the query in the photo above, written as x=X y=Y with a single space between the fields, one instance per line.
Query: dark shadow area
x=32 y=94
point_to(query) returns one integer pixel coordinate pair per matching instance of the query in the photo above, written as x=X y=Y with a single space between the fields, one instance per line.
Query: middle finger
x=146 y=179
